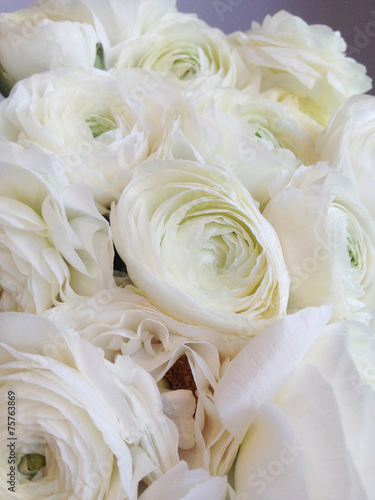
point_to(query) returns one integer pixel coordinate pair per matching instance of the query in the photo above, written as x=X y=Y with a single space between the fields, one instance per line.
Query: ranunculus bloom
x=244 y=133
x=85 y=428
x=328 y=241
x=313 y=436
x=184 y=49
x=184 y=359
x=99 y=124
x=306 y=61
x=195 y=242
x=348 y=144
x=45 y=36
x=54 y=244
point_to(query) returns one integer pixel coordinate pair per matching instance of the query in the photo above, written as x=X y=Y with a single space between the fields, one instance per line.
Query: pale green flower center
x=183 y=69
x=352 y=246
x=218 y=254
x=182 y=61
x=100 y=124
x=30 y=464
x=356 y=247
x=265 y=135
x=353 y=257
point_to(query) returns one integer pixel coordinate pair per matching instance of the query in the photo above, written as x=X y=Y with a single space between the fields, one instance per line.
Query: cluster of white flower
x=187 y=257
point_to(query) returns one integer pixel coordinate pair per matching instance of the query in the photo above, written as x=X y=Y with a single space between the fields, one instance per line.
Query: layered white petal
x=180 y=483
x=316 y=439
x=121 y=321
x=263 y=365
x=122 y=20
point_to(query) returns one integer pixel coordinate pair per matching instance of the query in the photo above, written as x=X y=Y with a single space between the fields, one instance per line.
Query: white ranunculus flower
x=85 y=428
x=307 y=61
x=313 y=438
x=180 y=483
x=184 y=359
x=47 y=166
x=195 y=242
x=348 y=144
x=48 y=35
x=242 y=132
x=328 y=241
x=100 y=125
x=54 y=244
x=184 y=49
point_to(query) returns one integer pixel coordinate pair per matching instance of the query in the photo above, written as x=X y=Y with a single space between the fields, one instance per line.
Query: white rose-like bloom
x=251 y=136
x=54 y=245
x=306 y=60
x=184 y=49
x=315 y=439
x=195 y=242
x=85 y=428
x=100 y=125
x=348 y=144
x=185 y=359
x=47 y=36
x=328 y=241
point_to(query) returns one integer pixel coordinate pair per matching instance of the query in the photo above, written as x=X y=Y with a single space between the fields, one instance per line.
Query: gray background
x=355 y=19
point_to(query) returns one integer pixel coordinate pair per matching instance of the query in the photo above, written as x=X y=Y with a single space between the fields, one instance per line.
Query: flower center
x=100 y=124
x=182 y=60
x=179 y=375
x=30 y=464
x=353 y=257
x=354 y=246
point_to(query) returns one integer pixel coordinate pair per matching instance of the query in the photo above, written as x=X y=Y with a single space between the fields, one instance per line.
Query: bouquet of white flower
x=187 y=258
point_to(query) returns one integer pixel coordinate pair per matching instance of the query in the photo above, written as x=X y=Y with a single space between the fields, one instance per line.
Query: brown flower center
x=179 y=375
